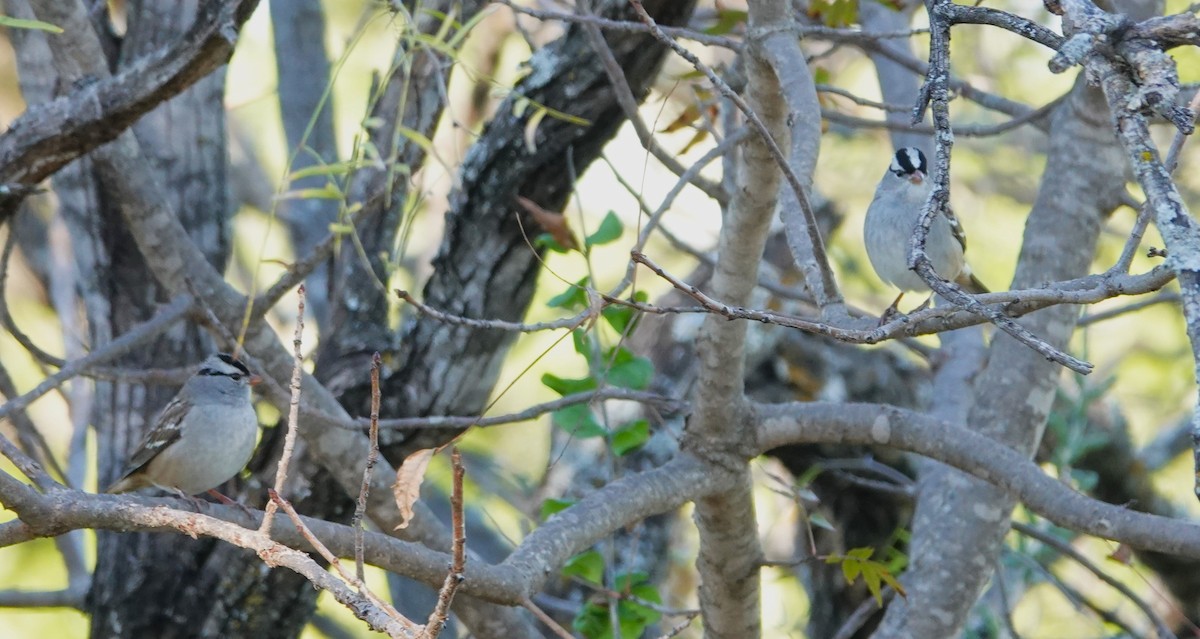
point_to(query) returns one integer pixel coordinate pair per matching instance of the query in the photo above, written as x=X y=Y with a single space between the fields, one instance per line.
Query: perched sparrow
x=203 y=437
x=892 y=218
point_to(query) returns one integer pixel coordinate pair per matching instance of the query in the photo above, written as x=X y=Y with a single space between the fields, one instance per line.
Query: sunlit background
x=994 y=184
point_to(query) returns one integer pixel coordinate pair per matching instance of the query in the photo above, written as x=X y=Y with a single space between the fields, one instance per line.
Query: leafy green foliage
x=552 y=506
x=727 y=21
x=857 y=563
x=623 y=319
x=834 y=13
x=572 y=299
x=579 y=421
x=38 y=25
x=627 y=370
x=633 y=616
x=588 y=566
x=610 y=231
x=630 y=437
x=1070 y=428
x=564 y=386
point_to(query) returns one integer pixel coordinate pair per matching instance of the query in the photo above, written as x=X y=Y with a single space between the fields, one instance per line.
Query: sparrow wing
x=165 y=432
x=955 y=227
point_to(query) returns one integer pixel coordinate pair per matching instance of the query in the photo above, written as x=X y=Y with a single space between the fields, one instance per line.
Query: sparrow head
x=909 y=164
x=223 y=365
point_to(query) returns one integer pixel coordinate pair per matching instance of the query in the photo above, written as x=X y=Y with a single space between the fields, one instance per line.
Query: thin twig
x=289 y=439
x=935 y=93
x=135 y=337
x=1014 y=303
x=862 y=613
x=825 y=288
x=29 y=436
x=6 y=318
x=1068 y=551
x=332 y=559
x=558 y=630
x=965 y=130
x=454 y=578
x=467 y=421
x=360 y=508
x=678 y=628
x=629 y=105
x=457 y=320
x=1164 y=297
x=1005 y=607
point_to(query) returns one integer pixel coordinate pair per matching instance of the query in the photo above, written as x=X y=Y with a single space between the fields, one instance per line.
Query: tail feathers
x=127 y=484
x=971 y=284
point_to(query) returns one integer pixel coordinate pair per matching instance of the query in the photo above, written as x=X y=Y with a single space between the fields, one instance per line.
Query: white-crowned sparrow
x=892 y=218
x=203 y=437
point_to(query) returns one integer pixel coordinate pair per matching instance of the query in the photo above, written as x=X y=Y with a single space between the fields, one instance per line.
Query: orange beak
x=255 y=380
x=917 y=177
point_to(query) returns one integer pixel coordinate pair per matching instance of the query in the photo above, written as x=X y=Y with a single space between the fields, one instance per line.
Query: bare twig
x=360 y=508
x=1164 y=297
x=1069 y=551
x=936 y=93
x=467 y=421
x=824 y=287
x=678 y=628
x=289 y=439
x=164 y=319
x=558 y=630
x=457 y=320
x=29 y=436
x=966 y=130
x=629 y=105
x=66 y=598
x=337 y=565
x=6 y=318
x=930 y=320
x=862 y=613
x=441 y=612
x=1005 y=606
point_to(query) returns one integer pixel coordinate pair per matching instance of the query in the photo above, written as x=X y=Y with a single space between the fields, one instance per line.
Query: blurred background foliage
x=1143 y=364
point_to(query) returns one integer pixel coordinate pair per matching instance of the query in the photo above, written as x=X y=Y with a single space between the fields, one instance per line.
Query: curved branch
x=970 y=452
x=50 y=135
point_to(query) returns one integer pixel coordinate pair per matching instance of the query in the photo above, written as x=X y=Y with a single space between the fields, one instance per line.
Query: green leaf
x=627 y=580
x=332 y=168
x=635 y=373
x=618 y=317
x=582 y=341
x=850 y=569
x=564 y=386
x=630 y=437
x=547 y=241
x=573 y=298
x=863 y=553
x=588 y=566
x=727 y=21
x=552 y=506
x=579 y=421
x=18 y=23
x=329 y=192
x=609 y=231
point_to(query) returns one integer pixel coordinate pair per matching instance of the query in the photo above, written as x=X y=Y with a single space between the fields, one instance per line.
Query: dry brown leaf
x=553 y=223
x=1122 y=555
x=407 y=488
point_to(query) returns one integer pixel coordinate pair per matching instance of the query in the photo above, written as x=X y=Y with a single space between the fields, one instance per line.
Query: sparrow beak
x=917 y=177
x=255 y=380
